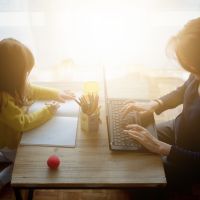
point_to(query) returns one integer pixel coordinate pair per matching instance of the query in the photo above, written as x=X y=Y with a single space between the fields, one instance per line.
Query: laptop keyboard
x=118 y=124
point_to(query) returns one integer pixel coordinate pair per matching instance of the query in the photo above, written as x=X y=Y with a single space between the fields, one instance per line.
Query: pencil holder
x=90 y=123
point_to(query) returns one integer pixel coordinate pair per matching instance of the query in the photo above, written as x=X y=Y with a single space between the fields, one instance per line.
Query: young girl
x=179 y=139
x=16 y=62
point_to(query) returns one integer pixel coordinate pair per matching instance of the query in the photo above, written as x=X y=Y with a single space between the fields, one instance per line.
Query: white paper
x=59 y=131
x=68 y=109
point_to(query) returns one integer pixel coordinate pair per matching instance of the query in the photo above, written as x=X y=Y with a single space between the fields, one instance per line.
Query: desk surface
x=90 y=165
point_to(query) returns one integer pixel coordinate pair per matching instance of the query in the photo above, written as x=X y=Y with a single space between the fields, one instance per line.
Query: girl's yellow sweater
x=14 y=120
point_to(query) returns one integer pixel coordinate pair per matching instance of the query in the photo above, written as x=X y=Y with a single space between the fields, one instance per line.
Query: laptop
x=118 y=140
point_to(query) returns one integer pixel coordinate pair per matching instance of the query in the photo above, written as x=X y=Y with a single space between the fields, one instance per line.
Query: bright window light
x=66 y=35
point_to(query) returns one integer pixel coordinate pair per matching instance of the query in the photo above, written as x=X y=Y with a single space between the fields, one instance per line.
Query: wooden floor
x=157 y=87
x=72 y=194
x=76 y=195
x=150 y=194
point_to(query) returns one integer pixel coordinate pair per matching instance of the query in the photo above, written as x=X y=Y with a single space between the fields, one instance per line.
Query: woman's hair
x=16 y=61
x=186 y=46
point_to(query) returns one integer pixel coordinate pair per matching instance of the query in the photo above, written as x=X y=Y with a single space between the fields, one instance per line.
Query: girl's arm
x=43 y=93
x=14 y=117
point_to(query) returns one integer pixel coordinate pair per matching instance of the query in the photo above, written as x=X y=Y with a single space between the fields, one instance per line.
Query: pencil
x=77 y=102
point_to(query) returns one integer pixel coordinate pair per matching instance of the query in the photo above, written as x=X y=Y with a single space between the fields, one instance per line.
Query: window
x=67 y=35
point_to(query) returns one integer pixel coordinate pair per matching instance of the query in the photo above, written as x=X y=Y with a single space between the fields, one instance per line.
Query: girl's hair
x=16 y=61
x=186 y=46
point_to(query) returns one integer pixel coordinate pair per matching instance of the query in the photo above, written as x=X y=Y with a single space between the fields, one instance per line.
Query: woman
x=179 y=139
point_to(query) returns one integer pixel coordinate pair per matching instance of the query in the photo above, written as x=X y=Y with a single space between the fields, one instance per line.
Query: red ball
x=53 y=162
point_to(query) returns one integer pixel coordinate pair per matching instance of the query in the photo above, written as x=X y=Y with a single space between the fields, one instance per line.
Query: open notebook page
x=59 y=131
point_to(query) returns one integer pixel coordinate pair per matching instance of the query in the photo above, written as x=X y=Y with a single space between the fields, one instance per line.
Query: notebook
x=58 y=131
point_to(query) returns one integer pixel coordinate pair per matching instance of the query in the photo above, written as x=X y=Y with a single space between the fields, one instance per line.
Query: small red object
x=53 y=162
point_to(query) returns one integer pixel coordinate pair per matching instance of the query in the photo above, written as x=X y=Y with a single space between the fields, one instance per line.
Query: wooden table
x=89 y=165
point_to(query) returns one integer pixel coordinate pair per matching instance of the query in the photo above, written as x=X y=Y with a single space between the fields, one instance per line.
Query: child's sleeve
x=42 y=93
x=14 y=117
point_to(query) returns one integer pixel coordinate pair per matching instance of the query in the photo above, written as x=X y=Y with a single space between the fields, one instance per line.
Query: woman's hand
x=65 y=95
x=53 y=106
x=151 y=143
x=139 y=107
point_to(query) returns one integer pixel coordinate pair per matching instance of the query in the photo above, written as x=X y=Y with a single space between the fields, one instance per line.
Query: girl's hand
x=138 y=107
x=65 y=95
x=53 y=106
x=151 y=143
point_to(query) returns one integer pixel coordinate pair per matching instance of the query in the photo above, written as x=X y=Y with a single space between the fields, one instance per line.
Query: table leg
x=30 y=194
x=18 y=195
